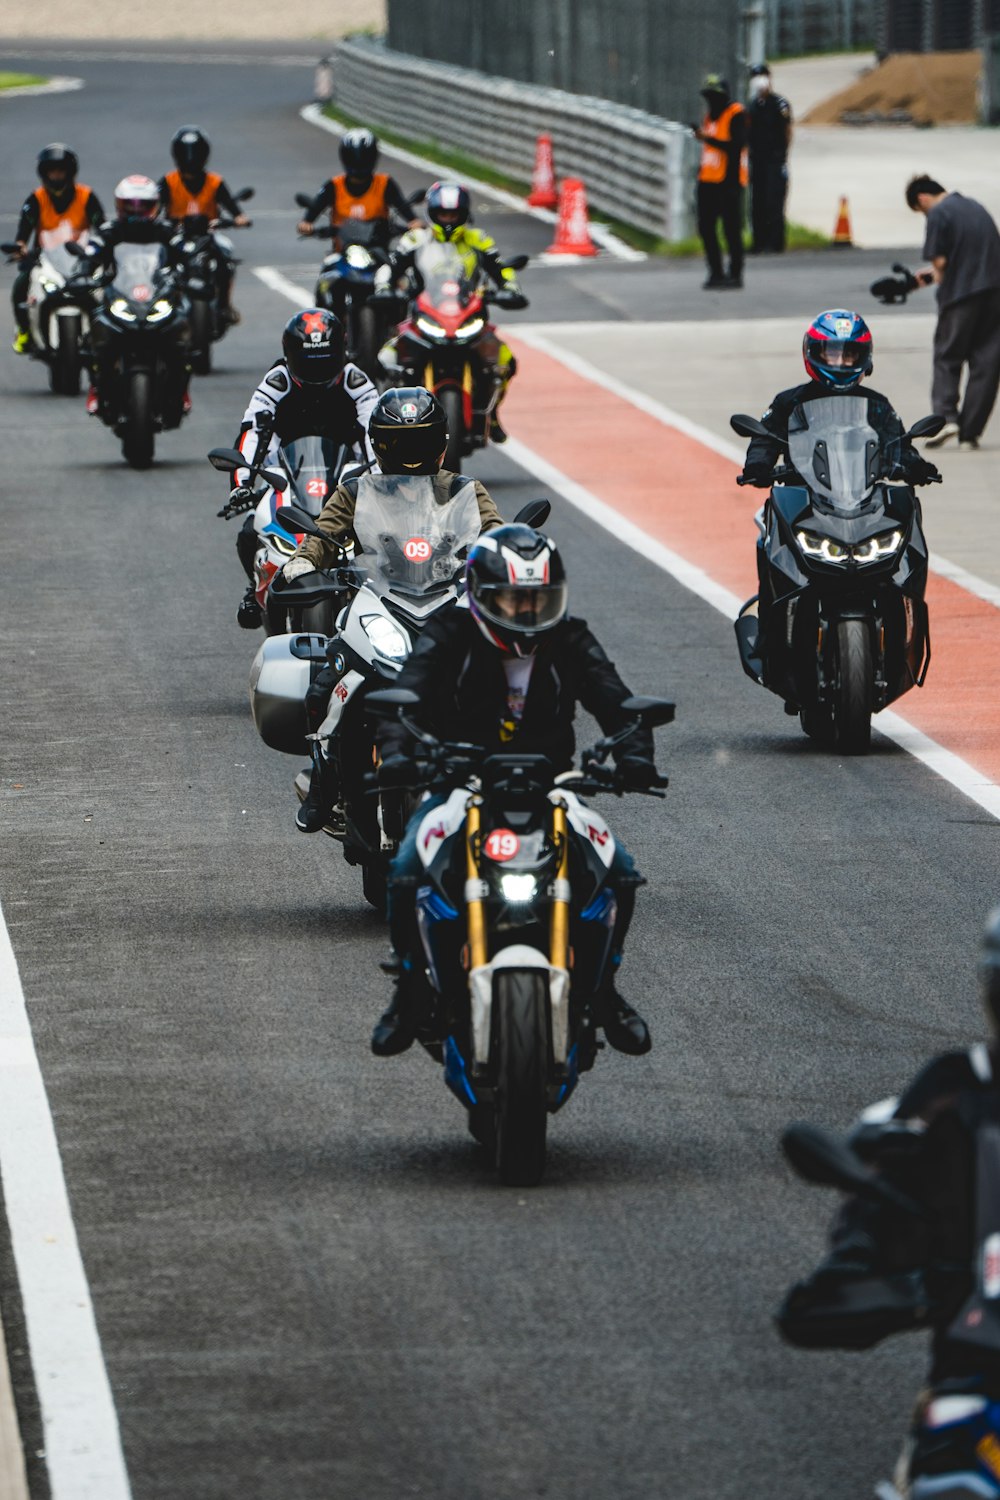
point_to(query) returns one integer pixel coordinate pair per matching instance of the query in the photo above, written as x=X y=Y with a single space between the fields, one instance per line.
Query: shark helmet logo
x=314 y=324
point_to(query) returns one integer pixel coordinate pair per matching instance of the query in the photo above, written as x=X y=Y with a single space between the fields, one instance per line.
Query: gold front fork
x=559 y=919
x=475 y=911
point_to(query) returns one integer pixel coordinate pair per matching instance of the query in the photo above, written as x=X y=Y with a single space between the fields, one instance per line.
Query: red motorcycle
x=448 y=345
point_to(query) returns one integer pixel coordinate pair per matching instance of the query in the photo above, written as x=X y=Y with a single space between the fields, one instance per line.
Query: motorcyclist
x=837 y=350
x=449 y=208
x=506 y=667
x=189 y=191
x=409 y=434
x=890 y=1271
x=359 y=192
x=310 y=390
x=137 y=222
x=61 y=209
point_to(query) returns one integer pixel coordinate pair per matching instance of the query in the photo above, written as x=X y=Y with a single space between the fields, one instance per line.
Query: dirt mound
x=909 y=88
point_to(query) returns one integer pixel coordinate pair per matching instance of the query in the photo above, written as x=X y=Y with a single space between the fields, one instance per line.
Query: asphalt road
x=306 y=1280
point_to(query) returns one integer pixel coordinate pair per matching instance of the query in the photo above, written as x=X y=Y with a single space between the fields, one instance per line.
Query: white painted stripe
x=57 y=85
x=599 y=233
x=82 y=1443
x=543 y=338
x=281 y=284
x=971 y=783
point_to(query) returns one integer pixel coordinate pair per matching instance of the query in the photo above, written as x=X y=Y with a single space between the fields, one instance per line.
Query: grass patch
x=799 y=238
x=20 y=80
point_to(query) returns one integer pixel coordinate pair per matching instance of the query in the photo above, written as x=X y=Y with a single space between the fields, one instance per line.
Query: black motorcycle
x=839 y=628
x=207 y=251
x=140 y=341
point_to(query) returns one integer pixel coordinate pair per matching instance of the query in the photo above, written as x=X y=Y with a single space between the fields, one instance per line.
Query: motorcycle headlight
x=428 y=326
x=48 y=287
x=387 y=639
x=878 y=548
x=120 y=309
x=823 y=547
x=357 y=256
x=160 y=309
x=471 y=328
x=518 y=888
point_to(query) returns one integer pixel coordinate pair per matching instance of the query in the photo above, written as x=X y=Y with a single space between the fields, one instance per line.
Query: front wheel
x=201 y=337
x=454 y=410
x=854 y=687
x=374 y=885
x=367 y=342
x=137 y=444
x=520 y=1009
x=64 y=372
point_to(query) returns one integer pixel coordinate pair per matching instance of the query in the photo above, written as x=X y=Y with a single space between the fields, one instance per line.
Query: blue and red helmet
x=837 y=349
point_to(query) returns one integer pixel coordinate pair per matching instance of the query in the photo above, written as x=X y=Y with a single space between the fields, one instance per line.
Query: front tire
x=854 y=692
x=64 y=371
x=454 y=410
x=374 y=885
x=138 y=442
x=520 y=1008
x=368 y=342
x=201 y=337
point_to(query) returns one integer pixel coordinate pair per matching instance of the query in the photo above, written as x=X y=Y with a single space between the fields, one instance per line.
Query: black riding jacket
x=881 y=415
x=460 y=680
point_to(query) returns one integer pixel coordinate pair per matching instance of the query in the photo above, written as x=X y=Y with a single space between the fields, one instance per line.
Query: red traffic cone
x=543 y=179
x=842 y=228
x=572 y=229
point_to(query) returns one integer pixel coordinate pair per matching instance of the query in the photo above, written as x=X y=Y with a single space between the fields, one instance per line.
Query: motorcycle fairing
x=834 y=447
x=410 y=543
x=342 y=693
x=440 y=824
x=588 y=825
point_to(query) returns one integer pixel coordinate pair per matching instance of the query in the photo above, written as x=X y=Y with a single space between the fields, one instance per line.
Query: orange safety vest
x=186 y=205
x=58 y=225
x=714 y=161
x=370 y=205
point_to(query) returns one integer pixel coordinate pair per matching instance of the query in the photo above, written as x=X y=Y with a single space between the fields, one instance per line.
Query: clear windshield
x=64 y=264
x=832 y=444
x=410 y=543
x=447 y=281
x=312 y=465
x=137 y=270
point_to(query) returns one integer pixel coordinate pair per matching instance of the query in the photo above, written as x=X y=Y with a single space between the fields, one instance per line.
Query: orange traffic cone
x=543 y=179
x=572 y=229
x=842 y=228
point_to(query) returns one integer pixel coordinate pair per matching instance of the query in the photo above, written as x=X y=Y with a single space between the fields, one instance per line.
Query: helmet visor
x=137 y=208
x=522 y=608
x=839 y=354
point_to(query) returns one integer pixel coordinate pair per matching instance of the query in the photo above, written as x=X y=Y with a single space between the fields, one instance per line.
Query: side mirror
x=293 y=518
x=516 y=262
x=226 y=459
x=389 y=699
x=9 y=246
x=303 y=200
x=926 y=427
x=824 y=1159
x=749 y=426
x=652 y=711
x=244 y=195
x=275 y=479
x=416 y=197
x=534 y=514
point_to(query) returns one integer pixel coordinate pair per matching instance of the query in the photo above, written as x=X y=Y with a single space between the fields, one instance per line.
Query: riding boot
x=396 y=1028
x=624 y=1028
x=248 y=614
x=315 y=812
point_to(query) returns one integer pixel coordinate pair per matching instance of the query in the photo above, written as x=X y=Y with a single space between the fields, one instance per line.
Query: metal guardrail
x=636 y=167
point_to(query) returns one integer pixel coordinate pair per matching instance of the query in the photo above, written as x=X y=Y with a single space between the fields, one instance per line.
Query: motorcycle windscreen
x=137 y=269
x=410 y=543
x=835 y=449
x=60 y=260
x=313 y=465
x=447 y=280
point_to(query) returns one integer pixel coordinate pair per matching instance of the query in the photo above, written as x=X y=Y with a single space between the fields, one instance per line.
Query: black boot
x=315 y=810
x=396 y=1027
x=248 y=614
x=624 y=1028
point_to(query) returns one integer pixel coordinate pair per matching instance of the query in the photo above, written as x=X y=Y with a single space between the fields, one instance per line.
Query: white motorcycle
x=63 y=292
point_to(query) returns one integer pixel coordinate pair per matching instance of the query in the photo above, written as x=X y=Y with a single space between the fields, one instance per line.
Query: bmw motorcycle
x=446 y=344
x=516 y=917
x=953 y=1452
x=839 y=629
x=62 y=297
x=205 y=249
x=309 y=469
x=140 y=341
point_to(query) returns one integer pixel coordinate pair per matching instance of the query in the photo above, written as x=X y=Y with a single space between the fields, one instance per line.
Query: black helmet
x=313 y=346
x=189 y=149
x=517 y=587
x=57 y=155
x=409 y=431
x=448 y=207
x=358 y=153
x=989 y=970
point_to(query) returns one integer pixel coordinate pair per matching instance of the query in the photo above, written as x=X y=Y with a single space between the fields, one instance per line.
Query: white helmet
x=137 y=197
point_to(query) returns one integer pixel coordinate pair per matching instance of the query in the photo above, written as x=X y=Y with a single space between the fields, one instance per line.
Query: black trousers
x=720 y=200
x=768 y=190
x=967 y=333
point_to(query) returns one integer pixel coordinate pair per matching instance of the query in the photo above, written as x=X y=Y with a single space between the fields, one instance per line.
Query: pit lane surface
x=306 y=1281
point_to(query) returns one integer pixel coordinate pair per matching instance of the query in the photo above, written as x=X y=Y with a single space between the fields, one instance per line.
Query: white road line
x=83 y=1449
x=599 y=233
x=951 y=768
x=537 y=336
